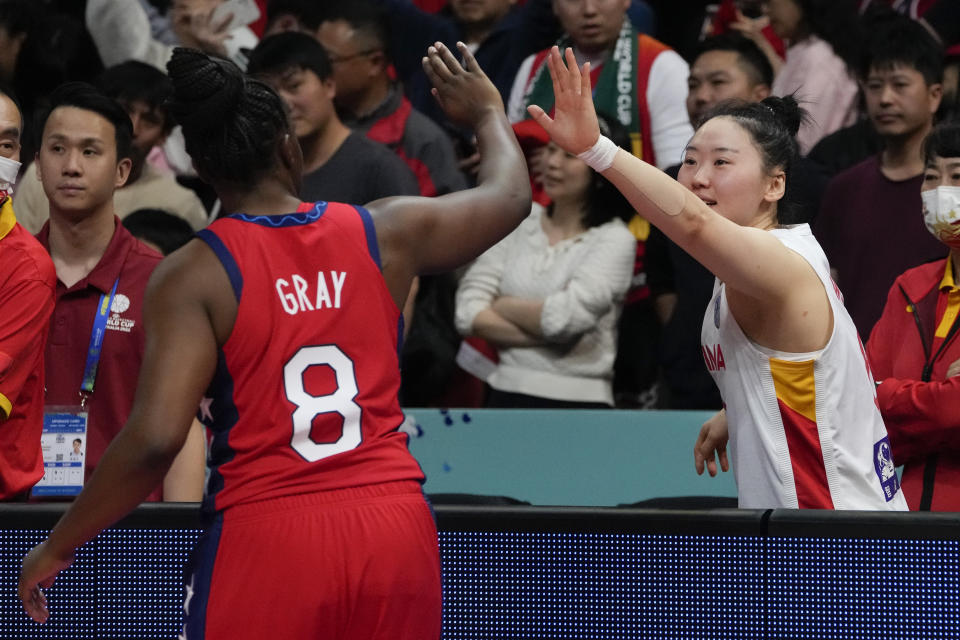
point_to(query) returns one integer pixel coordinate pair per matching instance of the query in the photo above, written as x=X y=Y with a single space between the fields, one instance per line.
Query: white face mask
x=8 y=176
x=941 y=213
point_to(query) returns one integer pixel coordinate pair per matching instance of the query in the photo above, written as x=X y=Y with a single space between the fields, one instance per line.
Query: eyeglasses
x=359 y=54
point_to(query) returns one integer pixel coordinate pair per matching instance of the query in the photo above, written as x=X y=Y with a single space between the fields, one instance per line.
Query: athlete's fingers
x=585 y=89
x=469 y=62
x=436 y=96
x=436 y=66
x=428 y=69
x=35 y=603
x=573 y=71
x=553 y=67
x=449 y=60
x=700 y=451
x=435 y=81
x=541 y=117
x=724 y=463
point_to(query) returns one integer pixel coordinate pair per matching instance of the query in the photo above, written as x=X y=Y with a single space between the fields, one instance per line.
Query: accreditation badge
x=64 y=446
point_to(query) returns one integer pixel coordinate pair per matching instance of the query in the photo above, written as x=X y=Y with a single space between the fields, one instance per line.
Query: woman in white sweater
x=548 y=296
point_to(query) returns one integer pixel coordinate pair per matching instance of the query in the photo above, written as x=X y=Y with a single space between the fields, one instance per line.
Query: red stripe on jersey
x=806 y=458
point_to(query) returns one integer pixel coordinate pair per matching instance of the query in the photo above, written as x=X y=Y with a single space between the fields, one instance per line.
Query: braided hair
x=232 y=124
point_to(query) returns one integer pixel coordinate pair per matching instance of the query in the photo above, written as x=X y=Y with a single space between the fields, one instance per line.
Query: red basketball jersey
x=305 y=394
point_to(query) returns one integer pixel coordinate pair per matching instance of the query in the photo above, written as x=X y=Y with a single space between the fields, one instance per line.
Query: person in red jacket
x=914 y=350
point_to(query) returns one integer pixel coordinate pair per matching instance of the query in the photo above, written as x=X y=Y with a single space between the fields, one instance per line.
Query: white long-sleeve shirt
x=582 y=282
x=121 y=31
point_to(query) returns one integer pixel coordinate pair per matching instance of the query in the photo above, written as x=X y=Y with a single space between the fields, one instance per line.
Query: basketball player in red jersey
x=281 y=322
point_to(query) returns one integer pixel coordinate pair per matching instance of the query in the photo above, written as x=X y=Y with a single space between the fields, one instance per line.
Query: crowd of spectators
x=585 y=304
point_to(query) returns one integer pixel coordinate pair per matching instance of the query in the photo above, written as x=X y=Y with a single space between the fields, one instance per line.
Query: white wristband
x=600 y=156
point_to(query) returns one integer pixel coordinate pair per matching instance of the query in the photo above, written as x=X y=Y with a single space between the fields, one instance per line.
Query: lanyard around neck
x=96 y=343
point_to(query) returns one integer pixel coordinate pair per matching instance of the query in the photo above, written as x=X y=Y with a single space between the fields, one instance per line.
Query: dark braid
x=231 y=123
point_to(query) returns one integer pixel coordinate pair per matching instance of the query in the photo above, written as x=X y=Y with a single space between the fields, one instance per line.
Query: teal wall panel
x=563 y=457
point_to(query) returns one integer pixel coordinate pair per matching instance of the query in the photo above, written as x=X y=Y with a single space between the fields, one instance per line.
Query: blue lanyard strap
x=96 y=340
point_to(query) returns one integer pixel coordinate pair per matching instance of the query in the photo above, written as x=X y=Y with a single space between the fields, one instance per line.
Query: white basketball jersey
x=805 y=429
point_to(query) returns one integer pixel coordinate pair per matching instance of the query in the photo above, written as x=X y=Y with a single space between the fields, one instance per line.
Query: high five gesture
x=574 y=123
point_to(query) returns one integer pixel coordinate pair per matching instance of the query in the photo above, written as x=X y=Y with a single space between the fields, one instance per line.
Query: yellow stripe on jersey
x=794 y=386
x=6 y=405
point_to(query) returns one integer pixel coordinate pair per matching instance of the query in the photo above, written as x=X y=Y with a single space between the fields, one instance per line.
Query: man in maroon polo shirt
x=26 y=302
x=102 y=272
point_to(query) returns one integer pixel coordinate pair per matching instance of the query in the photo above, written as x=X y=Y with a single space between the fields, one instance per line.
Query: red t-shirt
x=27 y=281
x=109 y=405
x=304 y=398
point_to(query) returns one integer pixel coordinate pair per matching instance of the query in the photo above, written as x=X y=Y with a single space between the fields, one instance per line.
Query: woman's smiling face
x=723 y=167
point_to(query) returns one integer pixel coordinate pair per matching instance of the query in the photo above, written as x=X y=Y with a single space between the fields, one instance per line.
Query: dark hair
x=836 y=22
x=231 y=123
x=55 y=48
x=7 y=91
x=604 y=202
x=291 y=50
x=749 y=56
x=364 y=16
x=309 y=13
x=159 y=227
x=942 y=142
x=137 y=81
x=896 y=40
x=772 y=124
x=85 y=96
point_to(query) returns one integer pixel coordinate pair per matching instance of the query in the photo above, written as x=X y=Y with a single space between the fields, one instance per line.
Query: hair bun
x=204 y=88
x=787 y=111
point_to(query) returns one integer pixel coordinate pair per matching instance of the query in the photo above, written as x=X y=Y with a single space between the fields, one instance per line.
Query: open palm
x=574 y=123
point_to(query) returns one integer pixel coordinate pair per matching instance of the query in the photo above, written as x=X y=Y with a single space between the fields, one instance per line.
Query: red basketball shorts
x=353 y=564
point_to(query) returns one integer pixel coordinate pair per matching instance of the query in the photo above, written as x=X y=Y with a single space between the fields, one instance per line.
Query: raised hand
x=712 y=444
x=574 y=123
x=195 y=28
x=752 y=28
x=465 y=93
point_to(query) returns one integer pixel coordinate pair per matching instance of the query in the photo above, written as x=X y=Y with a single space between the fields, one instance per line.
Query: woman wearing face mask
x=803 y=422
x=914 y=349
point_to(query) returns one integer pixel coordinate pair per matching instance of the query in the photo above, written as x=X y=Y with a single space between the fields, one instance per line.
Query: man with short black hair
x=727 y=67
x=339 y=165
x=870 y=223
x=102 y=271
x=355 y=37
x=142 y=91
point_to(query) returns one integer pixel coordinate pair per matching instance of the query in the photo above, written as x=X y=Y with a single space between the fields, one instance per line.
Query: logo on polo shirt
x=116 y=321
x=120 y=303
